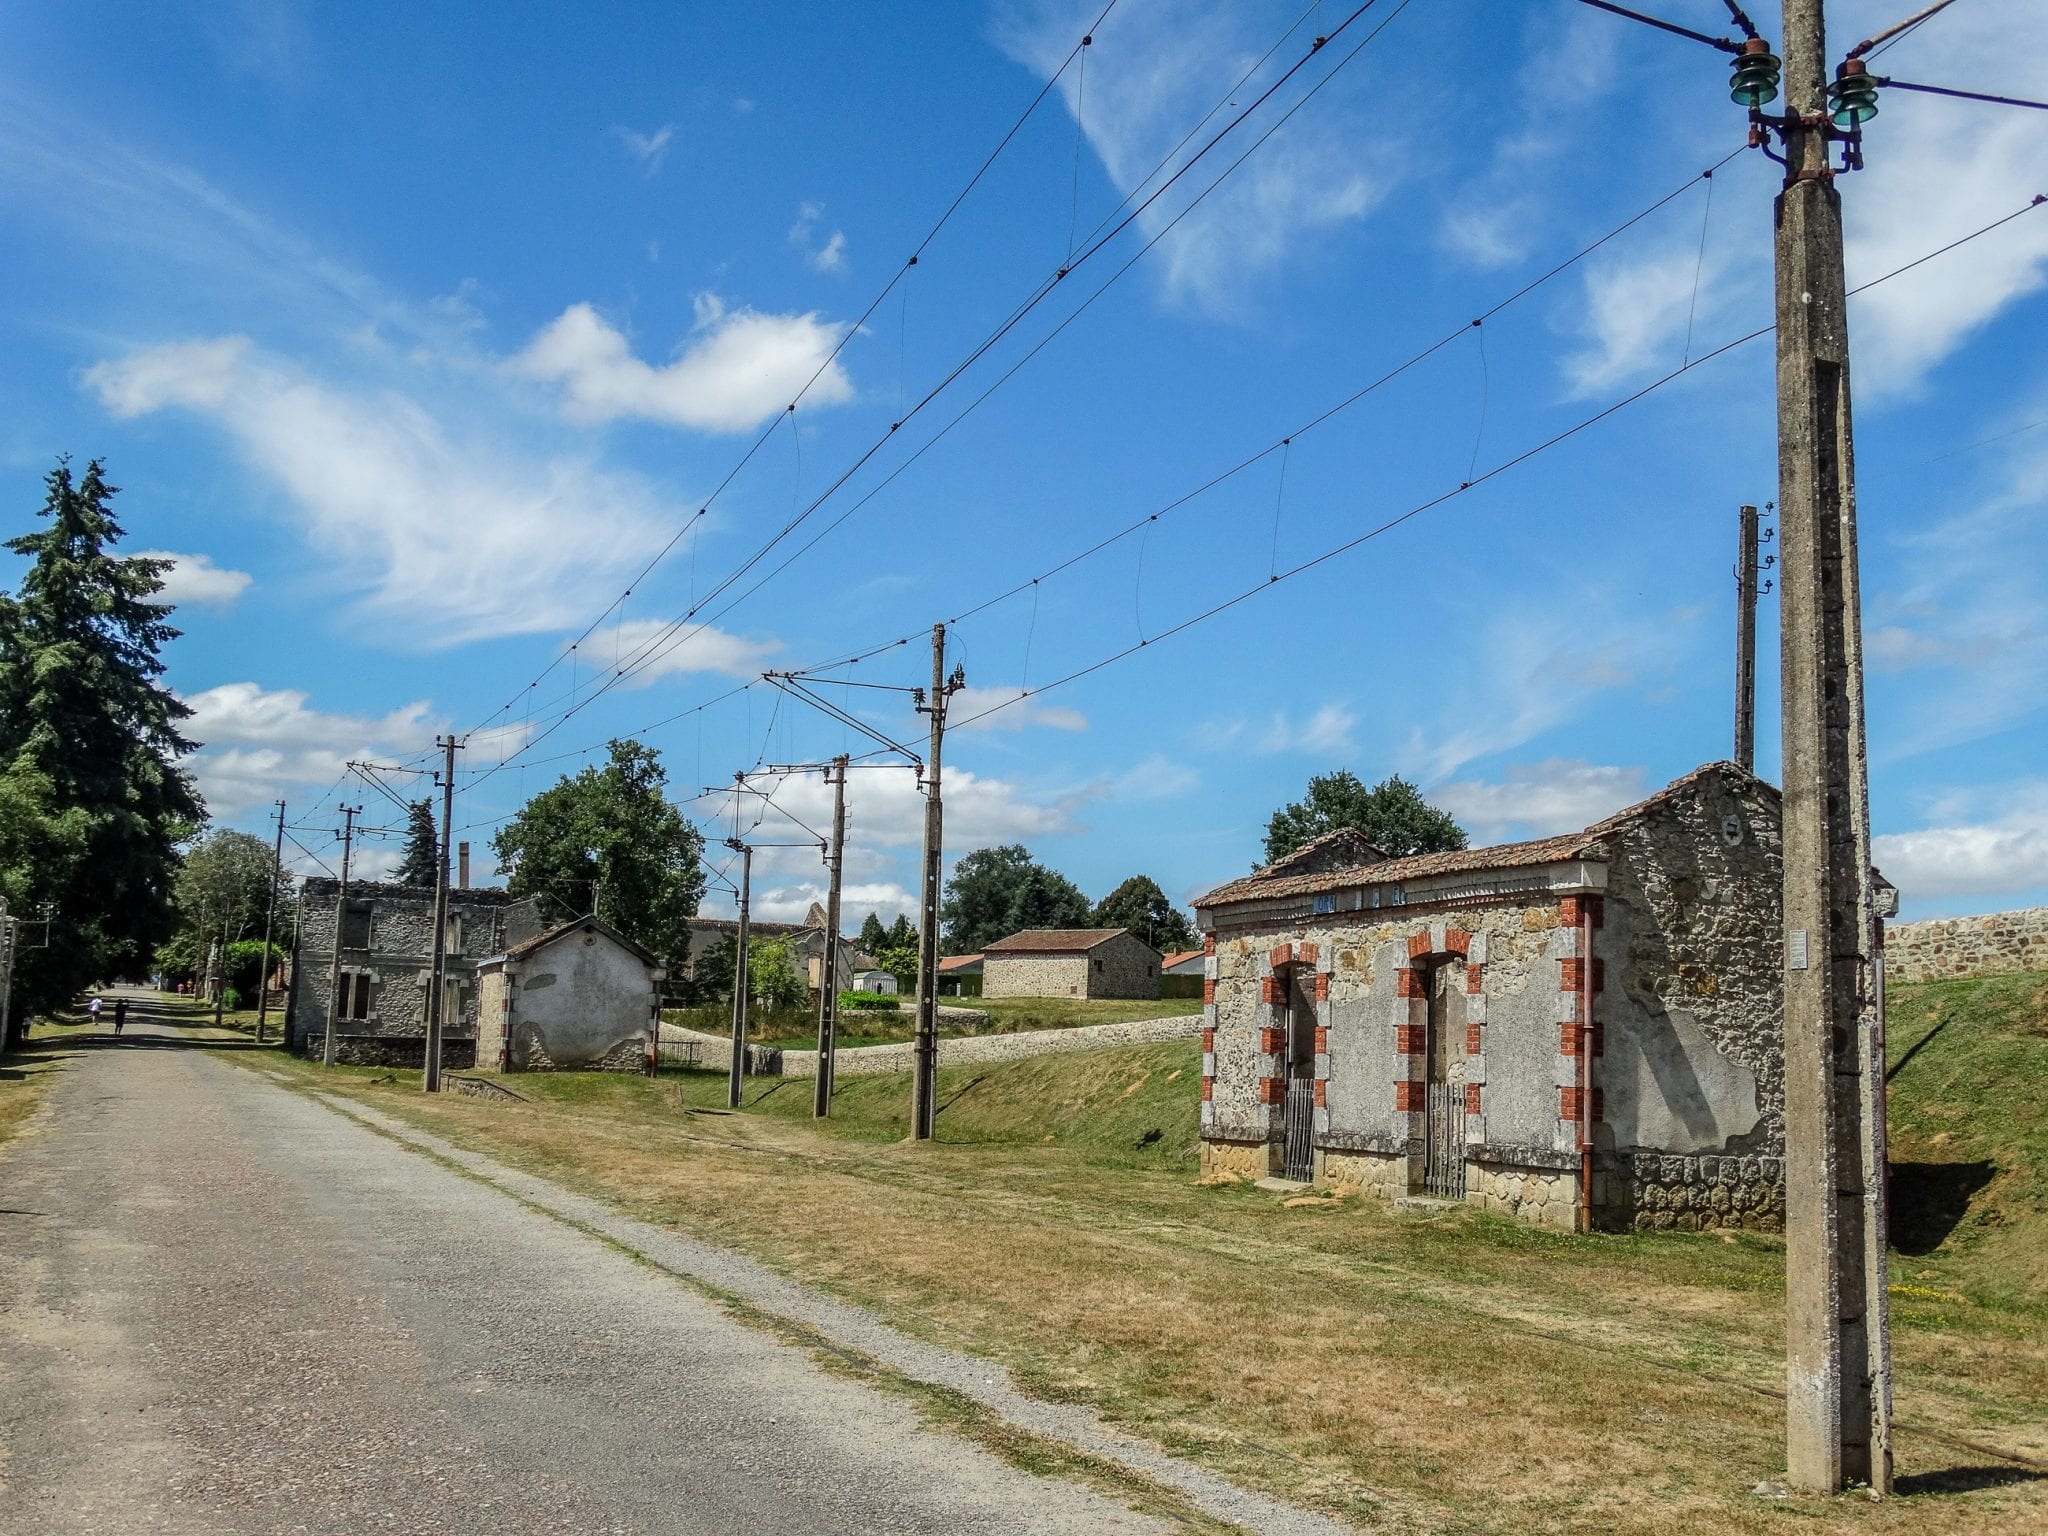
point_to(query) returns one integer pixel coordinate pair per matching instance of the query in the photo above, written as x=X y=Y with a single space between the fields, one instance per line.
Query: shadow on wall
x=1929 y=1201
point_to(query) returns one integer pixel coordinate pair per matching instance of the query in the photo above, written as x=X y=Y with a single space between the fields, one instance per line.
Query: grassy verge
x=1413 y=1373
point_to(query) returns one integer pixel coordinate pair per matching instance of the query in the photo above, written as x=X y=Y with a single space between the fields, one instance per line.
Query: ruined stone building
x=581 y=995
x=387 y=960
x=1070 y=962
x=806 y=942
x=1577 y=1030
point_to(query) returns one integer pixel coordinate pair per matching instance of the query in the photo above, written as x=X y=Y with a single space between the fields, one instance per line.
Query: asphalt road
x=226 y=1308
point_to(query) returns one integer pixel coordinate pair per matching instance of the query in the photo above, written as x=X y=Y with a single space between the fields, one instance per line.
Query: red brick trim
x=1568 y=1038
x=1271 y=992
x=1410 y=1039
x=1270 y=1039
x=1272 y=1090
x=1208 y=1089
x=1472 y=1099
x=1472 y=1038
x=1573 y=908
x=1322 y=1094
x=1322 y=1040
x=1208 y=991
x=1322 y=986
x=1408 y=983
x=1457 y=941
x=1209 y=1040
x=1281 y=954
x=1571 y=974
x=1568 y=1104
x=1408 y=1097
x=1475 y=980
x=1418 y=945
x=1306 y=953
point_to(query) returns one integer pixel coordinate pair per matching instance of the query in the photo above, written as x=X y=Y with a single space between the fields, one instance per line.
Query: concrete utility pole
x=1837 y=1344
x=269 y=927
x=828 y=975
x=740 y=978
x=348 y=833
x=1745 y=642
x=925 y=1077
x=10 y=944
x=430 y=1079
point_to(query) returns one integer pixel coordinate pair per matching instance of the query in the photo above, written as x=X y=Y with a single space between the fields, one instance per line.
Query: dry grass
x=1451 y=1373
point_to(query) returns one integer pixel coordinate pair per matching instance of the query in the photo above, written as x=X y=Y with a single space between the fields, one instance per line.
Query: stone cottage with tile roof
x=1070 y=962
x=1576 y=1031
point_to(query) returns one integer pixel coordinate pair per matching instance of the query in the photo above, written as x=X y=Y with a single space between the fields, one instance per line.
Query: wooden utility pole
x=269 y=927
x=430 y=1078
x=348 y=832
x=1837 y=1345
x=828 y=975
x=740 y=978
x=1745 y=641
x=925 y=1077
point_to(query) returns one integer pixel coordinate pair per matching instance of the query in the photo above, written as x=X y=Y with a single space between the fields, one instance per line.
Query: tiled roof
x=1180 y=957
x=1052 y=941
x=1274 y=880
x=957 y=962
x=541 y=940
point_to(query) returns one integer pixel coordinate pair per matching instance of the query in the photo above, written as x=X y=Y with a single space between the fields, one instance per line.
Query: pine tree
x=421 y=863
x=89 y=747
x=873 y=935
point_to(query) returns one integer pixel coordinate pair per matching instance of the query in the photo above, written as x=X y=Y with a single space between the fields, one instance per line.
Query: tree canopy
x=93 y=804
x=872 y=934
x=1392 y=814
x=420 y=864
x=995 y=892
x=1141 y=908
x=609 y=831
x=222 y=895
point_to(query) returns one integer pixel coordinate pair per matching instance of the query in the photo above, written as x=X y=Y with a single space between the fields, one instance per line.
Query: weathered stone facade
x=578 y=997
x=1942 y=948
x=1070 y=963
x=387 y=965
x=1509 y=1017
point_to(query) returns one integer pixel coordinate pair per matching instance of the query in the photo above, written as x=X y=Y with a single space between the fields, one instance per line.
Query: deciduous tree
x=1392 y=814
x=995 y=892
x=1141 y=908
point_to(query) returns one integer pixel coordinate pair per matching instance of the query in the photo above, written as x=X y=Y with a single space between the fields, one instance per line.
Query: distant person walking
x=92 y=1011
x=120 y=1014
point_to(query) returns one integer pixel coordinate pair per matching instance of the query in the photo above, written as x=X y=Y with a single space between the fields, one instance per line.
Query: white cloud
x=1637 y=308
x=258 y=743
x=791 y=903
x=458 y=536
x=677 y=652
x=828 y=257
x=1325 y=733
x=647 y=149
x=1154 y=72
x=2005 y=854
x=1009 y=709
x=196 y=579
x=884 y=810
x=1540 y=799
x=739 y=367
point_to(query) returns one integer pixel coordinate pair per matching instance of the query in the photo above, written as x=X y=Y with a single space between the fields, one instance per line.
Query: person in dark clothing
x=120 y=1013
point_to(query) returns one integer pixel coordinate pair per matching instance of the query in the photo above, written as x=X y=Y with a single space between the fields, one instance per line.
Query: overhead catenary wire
x=667 y=640
x=1725 y=44
x=1420 y=508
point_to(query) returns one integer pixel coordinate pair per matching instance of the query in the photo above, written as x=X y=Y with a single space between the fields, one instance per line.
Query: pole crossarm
x=793 y=685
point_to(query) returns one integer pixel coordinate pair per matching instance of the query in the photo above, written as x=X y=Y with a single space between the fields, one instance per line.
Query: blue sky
x=414 y=333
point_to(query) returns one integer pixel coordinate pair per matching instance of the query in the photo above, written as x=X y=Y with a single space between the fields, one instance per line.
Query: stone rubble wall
x=1662 y=1192
x=875 y=1060
x=1944 y=948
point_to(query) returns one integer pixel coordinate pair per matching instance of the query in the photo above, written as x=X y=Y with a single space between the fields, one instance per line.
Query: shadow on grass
x=1965 y=1479
x=1929 y=1200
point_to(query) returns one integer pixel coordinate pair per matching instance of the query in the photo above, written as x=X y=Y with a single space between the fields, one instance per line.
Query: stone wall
x=1655 y=1192
x=870 y=1060
x=1942 y=948
x=398 y=957
x=1544 y=1197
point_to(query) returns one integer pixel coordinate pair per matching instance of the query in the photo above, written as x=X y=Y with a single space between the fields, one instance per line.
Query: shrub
x=867 y=1002
x=230 y=999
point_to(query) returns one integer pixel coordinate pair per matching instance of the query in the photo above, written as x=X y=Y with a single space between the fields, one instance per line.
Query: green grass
x=1969 y=1140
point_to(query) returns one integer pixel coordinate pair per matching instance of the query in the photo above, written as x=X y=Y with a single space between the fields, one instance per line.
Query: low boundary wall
x=694 y=1048
x=1944 y=948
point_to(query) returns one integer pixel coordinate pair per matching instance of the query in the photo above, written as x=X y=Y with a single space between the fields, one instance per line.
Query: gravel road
x=225 y=1308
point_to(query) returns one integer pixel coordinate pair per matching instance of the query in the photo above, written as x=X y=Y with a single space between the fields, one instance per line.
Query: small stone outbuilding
x=579 y=997
x=1577 y=1031
x=1070 y=962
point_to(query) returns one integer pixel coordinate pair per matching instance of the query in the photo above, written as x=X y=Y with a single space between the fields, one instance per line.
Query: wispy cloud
x=1325 y=732
x=648 y=150
x=460 y=536
x=195 y=579
x=1010 y=709
x=1559 y=794
x=258 y=744
x=828 y=255
x=738 y=367
x=1152 y=74
x=667 y=651
x=2003 y=853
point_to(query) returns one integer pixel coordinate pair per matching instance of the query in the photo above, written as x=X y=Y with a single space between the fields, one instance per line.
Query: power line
x=667 y=639
x=1499 y=469
x=1889 y=83
x=1725 y=44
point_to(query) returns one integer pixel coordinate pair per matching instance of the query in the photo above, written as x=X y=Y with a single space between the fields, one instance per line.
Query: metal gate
x=1300 y=1128
x=1443 y=1168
